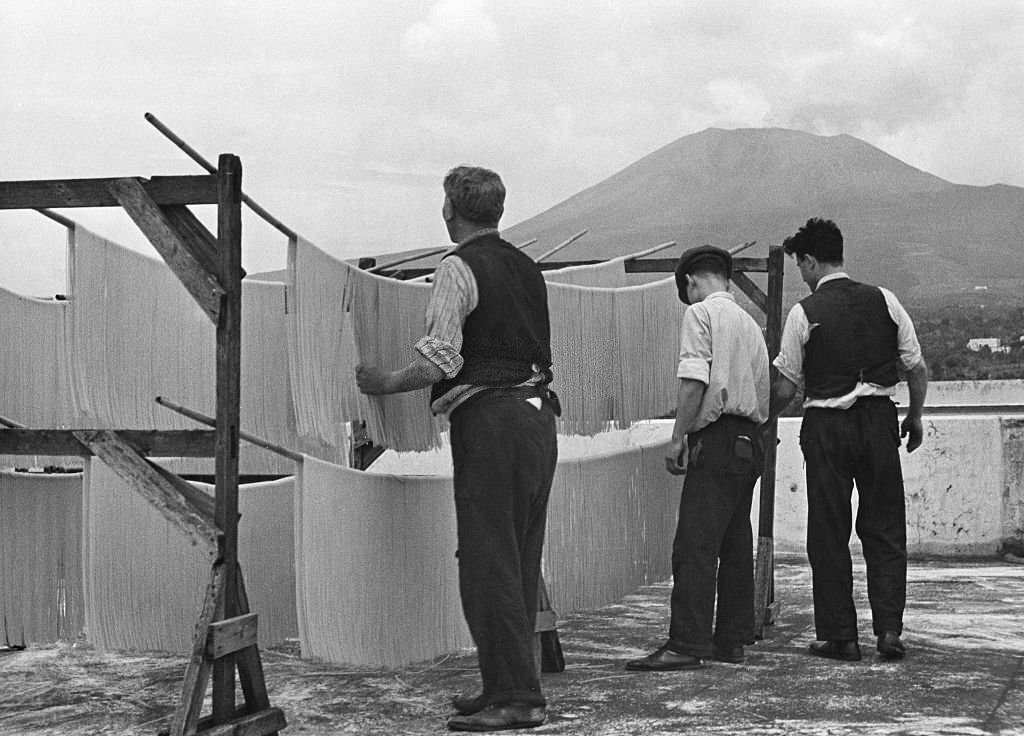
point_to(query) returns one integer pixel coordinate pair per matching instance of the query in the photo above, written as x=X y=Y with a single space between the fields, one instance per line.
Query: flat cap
x=691 y=259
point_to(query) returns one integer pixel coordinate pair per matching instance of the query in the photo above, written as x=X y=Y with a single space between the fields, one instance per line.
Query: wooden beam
x=176 y=250
x=263 y=723
x=668 y=265
x=151 y=442
x=752 y=290
x=231 y=635
x=177 y=502
x=42 y=194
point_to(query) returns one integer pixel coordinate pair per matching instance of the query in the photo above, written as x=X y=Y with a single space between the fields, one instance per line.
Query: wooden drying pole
x=210 y=421
x=210 y=168
x=765 y=606
x=564 y=243
x=210 y=269
x=426 y=276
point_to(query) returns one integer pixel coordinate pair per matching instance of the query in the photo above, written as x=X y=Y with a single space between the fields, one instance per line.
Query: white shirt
x=722 y=347
x=796 y=333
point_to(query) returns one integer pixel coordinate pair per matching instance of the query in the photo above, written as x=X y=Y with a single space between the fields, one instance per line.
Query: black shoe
x=467 y=706
x=890 y=646
x=665 y=659
x=847 y=651
x=500 y=718
x=732 y=655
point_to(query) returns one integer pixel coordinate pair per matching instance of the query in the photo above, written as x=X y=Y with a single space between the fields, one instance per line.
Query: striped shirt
x=453 y=297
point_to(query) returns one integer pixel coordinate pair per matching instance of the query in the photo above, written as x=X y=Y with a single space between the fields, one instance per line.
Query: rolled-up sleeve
x=695 y=345
x=453 y=297
x=790 y=360
x=906 y=336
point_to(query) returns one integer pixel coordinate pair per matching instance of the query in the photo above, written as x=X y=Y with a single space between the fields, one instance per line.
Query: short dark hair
x=819 y=238
x=477 y=194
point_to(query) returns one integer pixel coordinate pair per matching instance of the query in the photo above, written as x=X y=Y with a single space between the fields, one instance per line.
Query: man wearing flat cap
x=716 y=442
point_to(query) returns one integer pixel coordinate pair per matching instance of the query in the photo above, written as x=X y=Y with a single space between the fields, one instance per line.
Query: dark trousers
x=842 y=447
x=504 y=452
x=713 y=547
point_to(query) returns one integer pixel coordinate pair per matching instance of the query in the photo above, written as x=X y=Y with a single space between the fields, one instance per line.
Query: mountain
x=918 y=234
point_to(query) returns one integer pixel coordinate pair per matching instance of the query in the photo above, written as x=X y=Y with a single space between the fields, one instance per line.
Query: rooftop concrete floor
x=964 y=674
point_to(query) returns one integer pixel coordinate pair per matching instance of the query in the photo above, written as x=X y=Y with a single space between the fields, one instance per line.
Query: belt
x=538 y=390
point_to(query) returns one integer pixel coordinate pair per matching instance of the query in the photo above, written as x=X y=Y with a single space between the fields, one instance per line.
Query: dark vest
x=509 y=331
x=854 y=339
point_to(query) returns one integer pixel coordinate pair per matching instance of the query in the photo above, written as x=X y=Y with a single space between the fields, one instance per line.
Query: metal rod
x=11 y=423
x=195 y=156
x=655 y=249
x=561 y=245
x=65 y=221
x=400 y=261
x=211 y=422
x=742 y=246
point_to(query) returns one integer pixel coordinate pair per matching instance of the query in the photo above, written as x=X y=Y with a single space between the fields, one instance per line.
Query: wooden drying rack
x=210 y=269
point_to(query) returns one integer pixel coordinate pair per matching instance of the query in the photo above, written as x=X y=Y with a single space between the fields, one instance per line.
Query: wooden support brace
x=751 y=289
x=197 y=671
x=231 y=635
x=263 y=723
x=179 y=502
x=179 y=252
x=230 y=642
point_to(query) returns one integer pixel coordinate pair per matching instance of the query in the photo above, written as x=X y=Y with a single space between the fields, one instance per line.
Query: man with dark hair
x=487 y=356
x=847 y=343
x=716 y=441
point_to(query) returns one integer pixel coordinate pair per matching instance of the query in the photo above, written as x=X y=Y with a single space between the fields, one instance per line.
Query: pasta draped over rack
x=135 y=333
x=614 y=350
x=41 y=598
x=375 y=553
x=34 y=366
x=145 y=581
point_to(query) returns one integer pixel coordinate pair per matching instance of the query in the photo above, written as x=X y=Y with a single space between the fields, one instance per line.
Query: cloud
x=455 y=30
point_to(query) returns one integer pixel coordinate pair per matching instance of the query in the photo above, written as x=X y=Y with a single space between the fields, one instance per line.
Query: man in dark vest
x=847 y=344
x=487 y=356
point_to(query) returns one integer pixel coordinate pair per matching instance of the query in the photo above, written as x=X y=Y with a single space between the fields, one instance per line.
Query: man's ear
x=448 y=210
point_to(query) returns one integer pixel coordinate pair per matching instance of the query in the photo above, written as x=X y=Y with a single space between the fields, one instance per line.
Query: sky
x=347 y=114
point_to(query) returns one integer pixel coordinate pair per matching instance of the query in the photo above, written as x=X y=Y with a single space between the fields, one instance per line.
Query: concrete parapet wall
x=959 y=393
x=964 y=487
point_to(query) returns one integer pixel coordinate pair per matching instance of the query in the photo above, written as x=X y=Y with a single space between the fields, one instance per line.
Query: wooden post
x=229 y=239
x=764 y=586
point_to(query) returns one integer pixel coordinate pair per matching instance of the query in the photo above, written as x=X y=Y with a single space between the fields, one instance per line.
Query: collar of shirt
x=720 y=295
x=831 y=277
x=478 y=234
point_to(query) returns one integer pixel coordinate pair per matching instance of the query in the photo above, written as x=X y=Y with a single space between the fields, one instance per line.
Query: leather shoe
x=665 y=659
x=500 y=718
x=847 y=651
x=732 y=655
x=467 y=706
x=890 y=646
